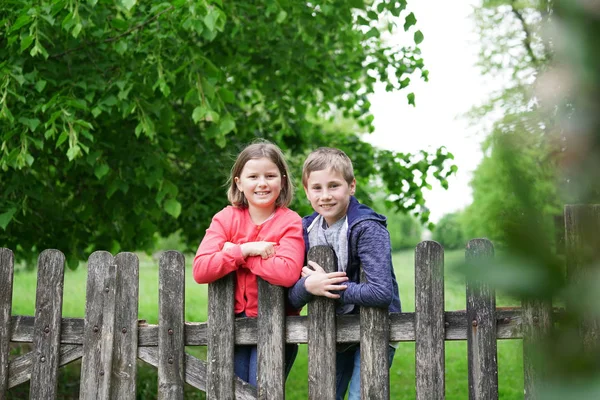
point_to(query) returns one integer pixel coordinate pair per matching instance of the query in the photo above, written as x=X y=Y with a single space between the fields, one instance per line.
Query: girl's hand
x=228 y=245
x=321 y=283
x=262 y=249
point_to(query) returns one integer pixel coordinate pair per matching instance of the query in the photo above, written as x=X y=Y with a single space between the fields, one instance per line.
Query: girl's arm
x=284 y=268
x=374 y=251
x=214 y=259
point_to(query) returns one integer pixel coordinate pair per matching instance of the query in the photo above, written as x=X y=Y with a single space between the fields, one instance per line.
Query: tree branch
x=112 y=39
x=527 y=40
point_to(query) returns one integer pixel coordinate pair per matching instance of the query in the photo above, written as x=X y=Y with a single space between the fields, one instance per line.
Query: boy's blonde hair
x=328 y=157
x=254 y=151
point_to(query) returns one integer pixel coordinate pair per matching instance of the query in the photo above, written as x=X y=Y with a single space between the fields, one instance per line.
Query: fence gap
x=322 y=334
x=6 y=288
x=98 y=329
x=171 y=340
x=374 y=348
x=429 y=321
x=481 y=324
x=271 y=341
x=124 y=367
x=46 y=328
x=221 y=339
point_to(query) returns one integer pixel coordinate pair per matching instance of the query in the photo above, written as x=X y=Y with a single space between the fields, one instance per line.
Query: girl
x=256 y=236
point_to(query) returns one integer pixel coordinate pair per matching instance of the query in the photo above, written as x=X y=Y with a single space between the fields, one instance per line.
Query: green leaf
x=411 y=98
x=26 y=42
x=210 y=19
x=61 y=139
x=199 y=114
x=6 y=217
x=173 y=207
x=23 y=20
x=418 y=37
x=101 y=170
x=410 y=21
x=73 y=152
x=40 y=85
x=227 y=125
x=128 y=4
x=31 y=123
x=281 y=16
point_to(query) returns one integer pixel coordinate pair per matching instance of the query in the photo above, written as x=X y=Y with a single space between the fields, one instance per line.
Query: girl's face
x=260 y=181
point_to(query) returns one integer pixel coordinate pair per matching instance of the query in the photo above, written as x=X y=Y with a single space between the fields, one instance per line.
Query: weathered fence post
x=481 y=332
x=582 y=236
x=374 y=348
x=271 y=341
x=537 y=321
x=124 y=367
x=171 y=344
x=98 y=327
x=321 y=334
x=429 y=321
x=6 y=286
x=221 y=339
x=46 y=328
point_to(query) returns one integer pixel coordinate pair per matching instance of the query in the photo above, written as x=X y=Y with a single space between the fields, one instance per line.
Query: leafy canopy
x=121 y=119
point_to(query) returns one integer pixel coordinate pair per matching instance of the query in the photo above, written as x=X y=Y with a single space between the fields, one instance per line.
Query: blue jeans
x=347 y=365
x=245 y=361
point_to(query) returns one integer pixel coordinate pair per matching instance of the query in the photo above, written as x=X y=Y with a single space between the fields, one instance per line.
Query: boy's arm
x=298 y=296
x=374 y=252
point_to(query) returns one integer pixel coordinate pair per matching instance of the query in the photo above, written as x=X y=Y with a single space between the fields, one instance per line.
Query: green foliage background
x=121 y=119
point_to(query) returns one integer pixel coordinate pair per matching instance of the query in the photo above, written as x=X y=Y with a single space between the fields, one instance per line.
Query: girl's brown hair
x=254 y=151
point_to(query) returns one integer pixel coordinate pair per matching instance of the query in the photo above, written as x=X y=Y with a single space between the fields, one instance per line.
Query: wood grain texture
x=481 y=337
x=20 y=367
x=124 y=371
x=46 y=327
x=221 y=338
x=171 y=306
x=99 y=327
x=7 y=262
x=374 y=348
x=322 y=334
x=537 y=322
x=271 y=341
x=429 y=321
x=196 y=371
x=582 y=227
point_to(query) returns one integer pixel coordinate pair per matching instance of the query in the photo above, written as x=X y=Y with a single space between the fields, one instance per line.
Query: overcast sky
x=455 y=85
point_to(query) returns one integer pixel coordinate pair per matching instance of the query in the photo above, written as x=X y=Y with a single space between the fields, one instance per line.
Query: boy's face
x=329 y=194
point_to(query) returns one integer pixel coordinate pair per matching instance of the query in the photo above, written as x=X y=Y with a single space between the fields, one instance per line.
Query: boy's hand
x=321 y=283
x=263 y=249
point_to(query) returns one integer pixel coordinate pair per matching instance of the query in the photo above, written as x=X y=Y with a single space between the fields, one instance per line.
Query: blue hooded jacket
x=369 y=245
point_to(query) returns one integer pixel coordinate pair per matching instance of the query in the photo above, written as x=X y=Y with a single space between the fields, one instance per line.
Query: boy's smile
x=329 y=194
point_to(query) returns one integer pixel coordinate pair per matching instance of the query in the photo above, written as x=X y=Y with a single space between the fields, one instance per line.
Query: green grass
x=402 y=374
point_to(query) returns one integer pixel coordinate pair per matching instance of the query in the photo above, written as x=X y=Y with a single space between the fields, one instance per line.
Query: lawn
x=402 y=372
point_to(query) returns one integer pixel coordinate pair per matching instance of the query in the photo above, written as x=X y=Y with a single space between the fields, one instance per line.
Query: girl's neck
x=260 y=215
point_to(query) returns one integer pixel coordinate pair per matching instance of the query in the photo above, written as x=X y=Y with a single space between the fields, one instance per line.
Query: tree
x=449 y=231
x=524 y=146
x=121 y=119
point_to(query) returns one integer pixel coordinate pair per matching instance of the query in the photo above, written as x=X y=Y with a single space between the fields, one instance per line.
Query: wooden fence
x=110 y=338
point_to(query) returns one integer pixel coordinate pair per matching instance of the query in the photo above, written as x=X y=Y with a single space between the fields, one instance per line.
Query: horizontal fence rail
x=110 y=338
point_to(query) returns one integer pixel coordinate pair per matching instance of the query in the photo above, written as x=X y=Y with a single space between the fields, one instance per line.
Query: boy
x=358 y=236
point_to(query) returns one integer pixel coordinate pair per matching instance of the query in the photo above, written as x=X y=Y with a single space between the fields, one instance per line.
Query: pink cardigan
x=235 y=225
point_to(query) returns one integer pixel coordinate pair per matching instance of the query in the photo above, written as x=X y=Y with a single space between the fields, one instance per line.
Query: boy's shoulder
x=358 y=212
